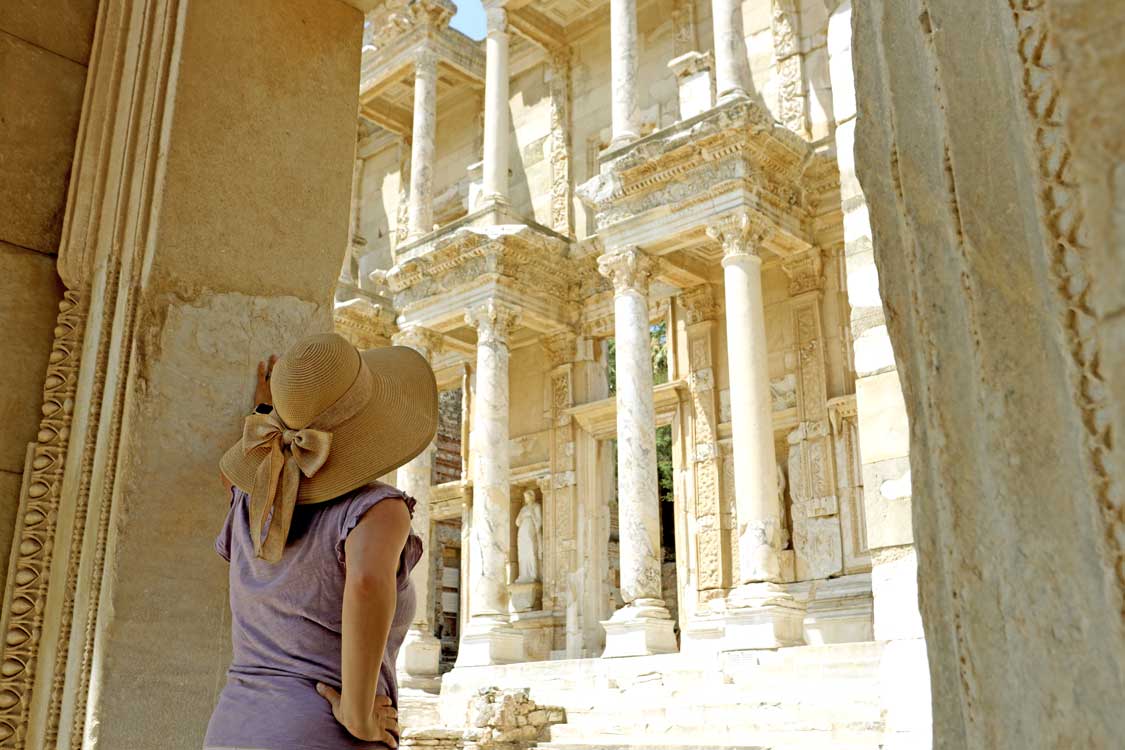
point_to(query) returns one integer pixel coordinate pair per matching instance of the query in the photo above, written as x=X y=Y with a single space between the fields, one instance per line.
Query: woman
x=320 y=553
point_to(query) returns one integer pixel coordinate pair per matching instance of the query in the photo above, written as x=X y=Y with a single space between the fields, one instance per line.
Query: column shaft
x=421 y=210
x=420 y=654
x=623 y=71
x=755 y=465
x=496 y=82
x=732 y=68
x=488 y=572
x=643 y=625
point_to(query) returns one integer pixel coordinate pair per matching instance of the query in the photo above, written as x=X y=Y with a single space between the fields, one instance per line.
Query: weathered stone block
x=39 y=113
x=29 y=294
x=886 y=497
x=883 y=429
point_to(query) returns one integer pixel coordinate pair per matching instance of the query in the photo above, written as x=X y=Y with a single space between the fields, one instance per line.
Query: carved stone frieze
x=365 y=324
x=727 y=147
x=699 y=304
x=529 y=261
x=562 y=219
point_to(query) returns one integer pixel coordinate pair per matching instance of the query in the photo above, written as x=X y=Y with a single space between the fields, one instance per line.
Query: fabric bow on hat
x=292 y=453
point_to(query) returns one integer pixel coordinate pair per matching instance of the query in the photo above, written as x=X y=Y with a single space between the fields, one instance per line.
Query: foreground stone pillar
x=623 y=71
x=765 y=616
x=643 y=625
x=420 y=213
x=178 y=279
x=488 y=637
x=420 y=656
x=732 y=67
x=496 y=78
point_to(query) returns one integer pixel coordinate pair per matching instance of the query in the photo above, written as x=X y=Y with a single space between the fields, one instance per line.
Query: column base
x=525 y=596
x=488 y=641
x=419 y=658
x=641 y=628
x=762 y=615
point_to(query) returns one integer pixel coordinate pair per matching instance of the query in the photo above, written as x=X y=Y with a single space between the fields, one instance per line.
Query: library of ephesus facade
x=672 y=421
x=637 y=180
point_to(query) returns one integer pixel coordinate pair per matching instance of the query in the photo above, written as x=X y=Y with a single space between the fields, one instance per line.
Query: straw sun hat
x=341 y=419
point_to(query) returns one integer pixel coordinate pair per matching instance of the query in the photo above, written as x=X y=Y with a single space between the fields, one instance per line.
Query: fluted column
x=496 y=79
x=488 y=638
x=643 y=625
x=421 y=651
x=755 y=465
x=623 y=71
x=420 y=214
x=732 y=66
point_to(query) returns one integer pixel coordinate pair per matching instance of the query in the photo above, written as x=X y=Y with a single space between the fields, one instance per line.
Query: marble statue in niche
x=529 y=523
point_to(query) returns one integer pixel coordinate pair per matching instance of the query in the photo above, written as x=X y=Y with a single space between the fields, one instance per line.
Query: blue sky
x=469 y=18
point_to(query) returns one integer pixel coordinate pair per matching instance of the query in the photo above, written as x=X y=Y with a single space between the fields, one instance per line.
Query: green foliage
x=664 y=462
x=659 y=334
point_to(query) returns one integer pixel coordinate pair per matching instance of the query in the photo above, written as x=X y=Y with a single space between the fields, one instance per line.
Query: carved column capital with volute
x=425 y=341
x=628 y=268
x=741 y=234
x=494 y=321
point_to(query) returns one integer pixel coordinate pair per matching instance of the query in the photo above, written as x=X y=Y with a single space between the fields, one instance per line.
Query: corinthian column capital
x=628 y=268
x=425 y=341
x=741 y=233
x=493 y=320
x=496 y=17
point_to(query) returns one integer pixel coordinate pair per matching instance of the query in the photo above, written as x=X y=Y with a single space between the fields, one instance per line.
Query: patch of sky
x=469 y=19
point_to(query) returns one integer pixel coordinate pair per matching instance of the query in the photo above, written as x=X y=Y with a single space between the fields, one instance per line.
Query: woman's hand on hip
x=380 y=724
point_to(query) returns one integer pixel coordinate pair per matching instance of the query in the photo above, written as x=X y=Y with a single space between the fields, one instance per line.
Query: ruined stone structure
x=658 y=252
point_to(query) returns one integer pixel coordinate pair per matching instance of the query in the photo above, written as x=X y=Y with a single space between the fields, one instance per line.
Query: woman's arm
x=371 y=552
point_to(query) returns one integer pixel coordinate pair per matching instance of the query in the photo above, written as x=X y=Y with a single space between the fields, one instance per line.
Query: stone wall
x=43 y=59
x=989 y=147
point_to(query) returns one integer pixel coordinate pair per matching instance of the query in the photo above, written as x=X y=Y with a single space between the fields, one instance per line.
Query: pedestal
x=419 y=660
x=488 y=641
x=642 y=628
x=763 y=615
x=525 y=596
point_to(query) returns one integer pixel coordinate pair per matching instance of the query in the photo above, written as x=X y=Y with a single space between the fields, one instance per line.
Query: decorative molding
x=33 y=543
x=423 y=340
x=791 y=91
x=699 y=304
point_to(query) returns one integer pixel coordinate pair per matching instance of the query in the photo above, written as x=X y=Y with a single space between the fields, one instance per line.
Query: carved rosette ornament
x=34 y=537
x=629 y=269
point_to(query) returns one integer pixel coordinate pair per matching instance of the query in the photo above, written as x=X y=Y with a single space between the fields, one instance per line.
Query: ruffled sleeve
x=365 y=501
x=222 y=542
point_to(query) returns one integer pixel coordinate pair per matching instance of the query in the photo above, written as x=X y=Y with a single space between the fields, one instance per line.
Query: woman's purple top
x=286 y=627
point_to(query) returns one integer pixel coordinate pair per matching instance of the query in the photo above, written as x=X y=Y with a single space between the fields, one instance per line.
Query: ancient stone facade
x=682 y=268
x=538 y=205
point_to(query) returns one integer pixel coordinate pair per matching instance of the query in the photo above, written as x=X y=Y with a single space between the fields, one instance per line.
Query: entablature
x=662 y=192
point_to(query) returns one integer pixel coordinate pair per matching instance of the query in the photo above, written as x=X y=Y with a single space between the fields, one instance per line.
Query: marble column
x=496 y=78
x=488 y=636
x=766 y=616
x=643 y=625
x=420 y=654
x=732 y=66
x=623 y=71
x=420 y=214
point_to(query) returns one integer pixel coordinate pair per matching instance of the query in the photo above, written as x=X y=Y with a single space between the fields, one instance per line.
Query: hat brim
x=396 y=425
